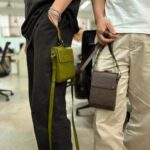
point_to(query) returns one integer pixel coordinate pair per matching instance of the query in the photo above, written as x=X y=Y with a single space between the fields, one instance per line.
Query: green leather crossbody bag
x=62 y=56
x=62 y=70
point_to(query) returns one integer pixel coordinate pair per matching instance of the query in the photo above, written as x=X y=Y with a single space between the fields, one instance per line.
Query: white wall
x=4 y=26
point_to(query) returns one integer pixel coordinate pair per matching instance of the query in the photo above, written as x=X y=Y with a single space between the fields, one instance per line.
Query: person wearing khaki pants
x=129 y=30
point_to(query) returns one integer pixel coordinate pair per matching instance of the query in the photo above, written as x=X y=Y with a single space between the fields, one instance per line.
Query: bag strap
x=89 y=57
x=51 y=104
x=91 y=54
x=60 y=40
x=110 y=47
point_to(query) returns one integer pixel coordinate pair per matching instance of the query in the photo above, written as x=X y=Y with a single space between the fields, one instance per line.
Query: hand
x=53 y=19
x=101 y=27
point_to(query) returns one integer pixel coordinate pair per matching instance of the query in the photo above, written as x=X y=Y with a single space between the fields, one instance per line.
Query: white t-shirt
x=129 y=16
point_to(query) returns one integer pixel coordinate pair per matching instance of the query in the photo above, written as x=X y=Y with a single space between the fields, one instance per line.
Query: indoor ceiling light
x=85 y=4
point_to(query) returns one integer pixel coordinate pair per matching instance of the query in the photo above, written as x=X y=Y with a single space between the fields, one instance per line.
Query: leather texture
x=103 y=90
x=64 y=63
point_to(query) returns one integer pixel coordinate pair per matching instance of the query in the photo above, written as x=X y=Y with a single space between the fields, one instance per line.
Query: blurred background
x=16 y=130
x=12 y=16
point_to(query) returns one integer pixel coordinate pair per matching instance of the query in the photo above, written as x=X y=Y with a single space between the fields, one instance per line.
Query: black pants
x=40 y=73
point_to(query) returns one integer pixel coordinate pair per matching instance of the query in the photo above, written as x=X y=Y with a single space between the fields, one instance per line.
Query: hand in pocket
x=53 y=19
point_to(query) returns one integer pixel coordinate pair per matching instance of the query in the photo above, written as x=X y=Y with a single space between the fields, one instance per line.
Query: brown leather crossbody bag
x=104 y=83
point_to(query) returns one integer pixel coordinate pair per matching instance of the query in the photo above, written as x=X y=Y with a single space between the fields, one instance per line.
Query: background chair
x=82 y=81
x=5 y=71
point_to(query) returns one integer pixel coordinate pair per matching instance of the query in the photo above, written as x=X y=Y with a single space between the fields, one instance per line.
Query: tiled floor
x=16 y=130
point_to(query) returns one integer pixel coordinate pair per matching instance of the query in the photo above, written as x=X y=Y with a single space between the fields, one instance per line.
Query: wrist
x=53 y=19
x=55 y=13
x=99 y=19
x=53 y=16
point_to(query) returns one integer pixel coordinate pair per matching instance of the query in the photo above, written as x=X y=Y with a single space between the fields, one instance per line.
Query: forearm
x=98 y=9
x=61 y=5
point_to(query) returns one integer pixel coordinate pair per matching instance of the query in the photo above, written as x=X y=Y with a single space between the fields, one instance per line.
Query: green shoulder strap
x=51 y=102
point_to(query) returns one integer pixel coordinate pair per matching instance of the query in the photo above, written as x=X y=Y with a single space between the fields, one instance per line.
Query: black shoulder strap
x=110 y=47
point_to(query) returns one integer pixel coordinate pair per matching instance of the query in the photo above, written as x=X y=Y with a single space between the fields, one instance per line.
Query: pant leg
x=137 y=135
x=108 y=125
x=30 y=67
x=44 y=38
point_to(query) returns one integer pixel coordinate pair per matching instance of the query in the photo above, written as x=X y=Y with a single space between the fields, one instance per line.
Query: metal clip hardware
x=53 y=55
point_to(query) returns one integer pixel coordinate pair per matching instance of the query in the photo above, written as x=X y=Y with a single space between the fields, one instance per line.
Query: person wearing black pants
x=41 y=35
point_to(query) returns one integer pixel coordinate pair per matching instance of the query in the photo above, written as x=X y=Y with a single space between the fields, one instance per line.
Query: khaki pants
x=133 y=54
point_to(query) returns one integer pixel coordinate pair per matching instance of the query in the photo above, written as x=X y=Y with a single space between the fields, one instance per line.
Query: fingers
x=113 y=36
x=107 y=37
x=103 y=40
x=110 y=27
x=106 y=32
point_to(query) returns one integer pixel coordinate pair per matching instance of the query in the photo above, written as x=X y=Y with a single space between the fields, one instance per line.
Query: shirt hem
x=132 y=30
